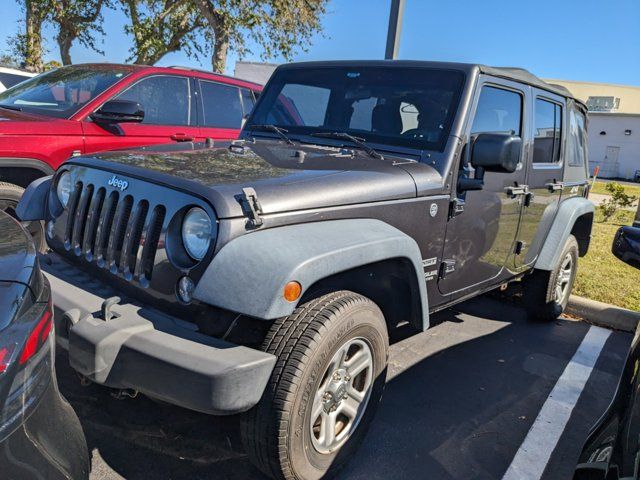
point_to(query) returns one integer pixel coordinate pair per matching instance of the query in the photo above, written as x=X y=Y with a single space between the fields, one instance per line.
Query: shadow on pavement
x=459 y=401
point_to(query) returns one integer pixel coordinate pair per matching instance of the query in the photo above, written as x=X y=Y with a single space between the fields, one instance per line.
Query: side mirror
x=118 y=111
x=492 y=152
x=626 y=245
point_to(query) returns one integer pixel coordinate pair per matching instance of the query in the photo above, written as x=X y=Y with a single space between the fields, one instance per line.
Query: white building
x=10 y=77
x=257 y=72
x=614 y=127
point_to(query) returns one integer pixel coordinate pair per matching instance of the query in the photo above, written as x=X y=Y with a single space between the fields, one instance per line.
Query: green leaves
x=158 y=27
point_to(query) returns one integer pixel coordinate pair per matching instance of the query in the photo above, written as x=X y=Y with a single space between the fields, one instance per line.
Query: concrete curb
x=603 y=314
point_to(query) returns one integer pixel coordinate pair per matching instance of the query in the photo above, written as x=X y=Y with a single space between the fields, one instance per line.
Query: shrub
x=618 y=199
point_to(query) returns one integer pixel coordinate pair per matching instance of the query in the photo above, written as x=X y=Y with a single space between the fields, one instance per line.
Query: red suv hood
x=22 y=123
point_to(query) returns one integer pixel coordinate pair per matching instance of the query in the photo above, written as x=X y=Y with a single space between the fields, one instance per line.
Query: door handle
x=554 y=187
x=513 y=192
x=181 y=137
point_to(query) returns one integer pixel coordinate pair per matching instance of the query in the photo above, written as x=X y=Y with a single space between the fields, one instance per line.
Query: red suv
x=94 y=107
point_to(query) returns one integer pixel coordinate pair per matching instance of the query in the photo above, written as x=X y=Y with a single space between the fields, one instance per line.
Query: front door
x=544 y=176
x=481 y=238
x=168 y=116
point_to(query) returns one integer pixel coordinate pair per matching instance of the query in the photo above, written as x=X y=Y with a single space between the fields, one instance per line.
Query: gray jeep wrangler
x=264 y=277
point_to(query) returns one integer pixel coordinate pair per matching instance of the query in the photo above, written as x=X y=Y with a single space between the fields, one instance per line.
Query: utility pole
x=395 y=29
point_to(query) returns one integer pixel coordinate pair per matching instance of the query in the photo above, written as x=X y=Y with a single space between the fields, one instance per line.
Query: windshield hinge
x=456 y=207
x=251 y=206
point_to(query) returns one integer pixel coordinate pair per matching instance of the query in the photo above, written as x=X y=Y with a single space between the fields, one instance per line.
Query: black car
x=40 y=434
x=612 y=450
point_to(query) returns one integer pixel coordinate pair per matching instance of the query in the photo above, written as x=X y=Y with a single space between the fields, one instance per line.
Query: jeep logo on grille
x=118 y=183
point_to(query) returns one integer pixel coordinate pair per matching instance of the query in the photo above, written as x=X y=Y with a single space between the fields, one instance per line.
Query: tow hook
x=106 y=307
x=124 y=393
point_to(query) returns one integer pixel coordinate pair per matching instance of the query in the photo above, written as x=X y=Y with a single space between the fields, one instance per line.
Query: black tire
x=539 y=289
x=277 y=433
x=9 y=197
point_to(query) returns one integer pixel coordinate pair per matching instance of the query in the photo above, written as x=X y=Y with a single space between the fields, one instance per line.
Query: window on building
x=165 y=99
x=603 y=104
x=547 y=128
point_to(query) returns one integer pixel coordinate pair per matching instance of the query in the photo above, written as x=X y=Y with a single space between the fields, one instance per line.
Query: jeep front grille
x=116 y=231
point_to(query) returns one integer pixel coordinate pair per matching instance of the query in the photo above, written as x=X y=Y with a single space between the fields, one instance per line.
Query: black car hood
x=285 y=178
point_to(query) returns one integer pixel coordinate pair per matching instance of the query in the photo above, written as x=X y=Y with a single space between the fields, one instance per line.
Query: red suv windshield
x=62 y=92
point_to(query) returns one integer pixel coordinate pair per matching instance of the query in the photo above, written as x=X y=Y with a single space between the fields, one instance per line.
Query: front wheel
x=324 y=390
x=545 y=293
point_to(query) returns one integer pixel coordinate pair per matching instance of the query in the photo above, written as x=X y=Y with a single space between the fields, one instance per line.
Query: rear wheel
x=324 y=390
x=546 y=293
x=9 y=197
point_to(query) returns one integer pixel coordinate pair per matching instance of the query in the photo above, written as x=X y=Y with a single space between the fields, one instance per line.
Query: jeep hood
x=285 y=178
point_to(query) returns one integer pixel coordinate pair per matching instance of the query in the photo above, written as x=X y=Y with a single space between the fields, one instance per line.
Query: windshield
x=397 y=106
x=62 y=92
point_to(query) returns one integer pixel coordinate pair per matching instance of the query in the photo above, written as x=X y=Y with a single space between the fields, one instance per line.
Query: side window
x=221 y=105
x=547 y=128
x=248 y=100
x=576 y=141
x=499 y=111
x=164 y=99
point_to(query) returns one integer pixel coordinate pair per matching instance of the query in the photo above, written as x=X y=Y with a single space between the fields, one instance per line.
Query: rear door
x=480 y=240
x=169 y=115
x=544 y=176
x=223 y=109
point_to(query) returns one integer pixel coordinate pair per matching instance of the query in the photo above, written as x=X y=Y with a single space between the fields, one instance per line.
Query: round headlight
x=63 y=188
x=196 y=233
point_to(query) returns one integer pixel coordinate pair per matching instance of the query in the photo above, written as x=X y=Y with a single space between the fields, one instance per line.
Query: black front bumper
x=150 y=352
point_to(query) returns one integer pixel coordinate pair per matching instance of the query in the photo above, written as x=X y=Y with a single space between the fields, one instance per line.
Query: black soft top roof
x=512 y=73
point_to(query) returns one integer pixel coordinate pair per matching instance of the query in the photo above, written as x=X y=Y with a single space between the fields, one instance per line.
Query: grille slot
x=72 y=206
x=151 y=241
x=118 y=232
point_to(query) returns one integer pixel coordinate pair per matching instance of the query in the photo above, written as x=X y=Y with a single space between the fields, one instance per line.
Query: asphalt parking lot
x=460 y=401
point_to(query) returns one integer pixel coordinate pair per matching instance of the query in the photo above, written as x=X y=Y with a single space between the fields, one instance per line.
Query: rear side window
x=499 y=111
x=248 y=100
x=221 y=105
x=164 y=99
x=576 y=139
x=547 y=128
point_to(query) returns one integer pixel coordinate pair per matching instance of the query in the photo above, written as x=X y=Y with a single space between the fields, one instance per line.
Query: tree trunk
x=33 y=40
x=636 y=222
x=64 y=42
x=220 y=48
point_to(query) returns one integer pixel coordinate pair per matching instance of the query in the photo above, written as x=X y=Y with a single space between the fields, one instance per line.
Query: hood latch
x=251 y=206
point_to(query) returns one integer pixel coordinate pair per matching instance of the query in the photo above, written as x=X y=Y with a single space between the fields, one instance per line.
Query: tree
x=159 y=27
x=76 y=20
x=278 y=26
x=8 y=61
x=27 y=46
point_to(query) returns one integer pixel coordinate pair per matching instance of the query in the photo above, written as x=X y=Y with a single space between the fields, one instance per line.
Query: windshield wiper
x=272 y=128
x=357 y=140
x=11 y=107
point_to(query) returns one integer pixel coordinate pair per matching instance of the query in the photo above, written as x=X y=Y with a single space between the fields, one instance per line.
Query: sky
x=585 y=40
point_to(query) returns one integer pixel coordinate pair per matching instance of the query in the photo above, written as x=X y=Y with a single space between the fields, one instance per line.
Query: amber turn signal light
x=292 y=291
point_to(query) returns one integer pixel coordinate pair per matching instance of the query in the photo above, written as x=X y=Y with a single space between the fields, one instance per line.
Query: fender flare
x=568 y=212
x=32 y=163
x=249 y=273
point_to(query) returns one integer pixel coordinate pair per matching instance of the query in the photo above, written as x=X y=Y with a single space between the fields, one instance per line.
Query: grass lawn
x=603 y=277
x=629 y=189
